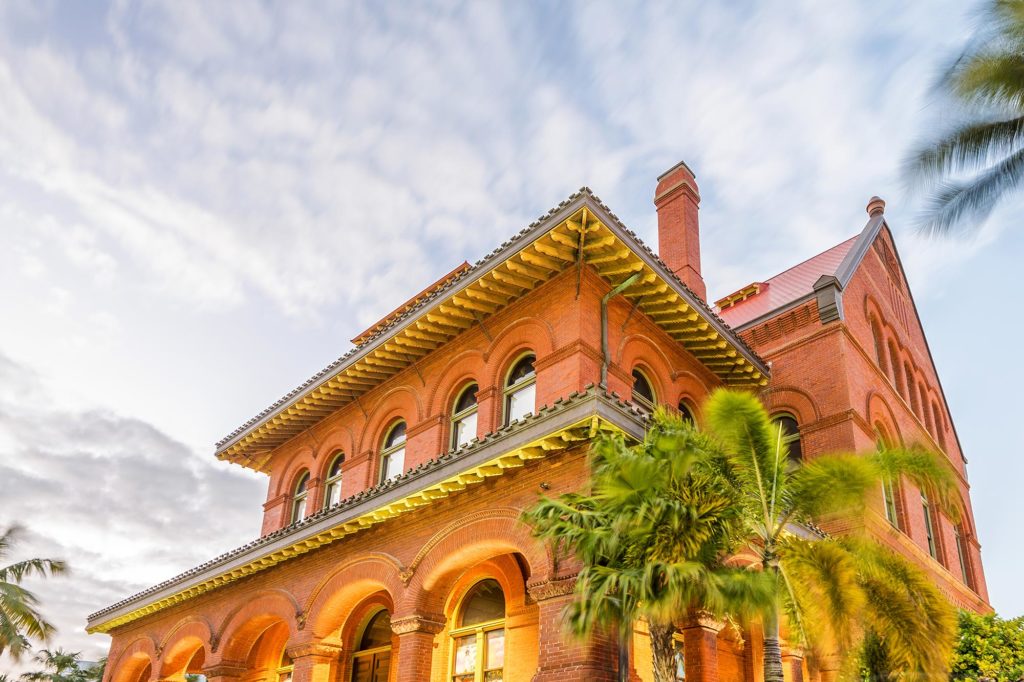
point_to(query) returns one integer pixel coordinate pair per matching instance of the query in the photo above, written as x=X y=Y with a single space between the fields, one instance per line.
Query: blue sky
x=200 y=203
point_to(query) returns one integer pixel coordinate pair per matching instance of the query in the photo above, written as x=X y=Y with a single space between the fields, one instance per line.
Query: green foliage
x=989 y=647
x=973 y=165
x=20 y=619
x=59 y=665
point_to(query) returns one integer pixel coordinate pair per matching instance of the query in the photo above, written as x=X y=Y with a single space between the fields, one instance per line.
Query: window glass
x=961 y=554
x=333 y=483
x=377 y=632
x=680 y=660
x=790 y=436
x=642 y=391
x=928 y=528
x=299 y=498
x=465 y=658
x=393 y=455
x=484 y=603
x=521 y=390
x=685 y=413
x=464 y=416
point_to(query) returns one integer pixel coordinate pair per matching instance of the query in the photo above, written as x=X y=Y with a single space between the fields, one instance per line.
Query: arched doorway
x=371 y=660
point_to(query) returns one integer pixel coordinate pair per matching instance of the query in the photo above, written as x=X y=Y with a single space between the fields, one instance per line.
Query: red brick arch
x=525 y=334
x=299 y=461
x=341 y=438
x=468 y=366
x=182 y=642
x=505 y=569
x=333 y=601
x=401 y=402
x=879 y=411
x=131 y=661
x=243 y=626
x=639 y=350
x=791 y=399
x=464 y=544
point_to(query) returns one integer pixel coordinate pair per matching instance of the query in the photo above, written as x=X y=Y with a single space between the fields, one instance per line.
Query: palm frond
x=955 y=201
x=831 y=484
x=924 y=469
x=967 y=148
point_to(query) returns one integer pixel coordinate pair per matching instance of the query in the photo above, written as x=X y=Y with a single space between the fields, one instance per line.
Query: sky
x=200 y=203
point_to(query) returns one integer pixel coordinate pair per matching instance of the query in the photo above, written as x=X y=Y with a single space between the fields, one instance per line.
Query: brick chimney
x=677 y=200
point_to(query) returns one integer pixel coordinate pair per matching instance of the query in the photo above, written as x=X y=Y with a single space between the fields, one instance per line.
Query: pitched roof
x=579 y=231
x=785 y=288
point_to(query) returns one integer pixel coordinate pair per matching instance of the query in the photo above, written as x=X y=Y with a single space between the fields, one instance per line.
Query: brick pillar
x=315 y=662
x=224 y=672
x=561 y=658
x=700 y=648
x=793 y=664
x=415 y=645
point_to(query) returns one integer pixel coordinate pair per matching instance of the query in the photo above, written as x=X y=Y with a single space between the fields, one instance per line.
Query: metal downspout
x=606 y=355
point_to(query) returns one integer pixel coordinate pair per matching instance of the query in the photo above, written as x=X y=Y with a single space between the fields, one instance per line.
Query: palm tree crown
x=975 y=164
x=20 y=619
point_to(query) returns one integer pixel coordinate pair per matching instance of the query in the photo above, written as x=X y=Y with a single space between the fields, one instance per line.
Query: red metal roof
x=788 y=286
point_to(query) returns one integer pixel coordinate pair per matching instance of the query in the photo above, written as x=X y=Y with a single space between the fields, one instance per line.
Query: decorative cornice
x=704 y=620
x=314 y=650
x=552 y=589
x=428 y=623
x=223 y=670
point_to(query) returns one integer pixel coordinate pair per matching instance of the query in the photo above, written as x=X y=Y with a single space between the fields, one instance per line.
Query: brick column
x=793 y=664
x=700 y=648
x=314 y=662
x=561 y=658
x=224 y=672
x=415 y=645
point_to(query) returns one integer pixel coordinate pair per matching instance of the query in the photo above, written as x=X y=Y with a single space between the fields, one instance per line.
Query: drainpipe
x=606 y=355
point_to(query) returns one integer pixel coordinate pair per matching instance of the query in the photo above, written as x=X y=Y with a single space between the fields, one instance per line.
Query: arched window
x=961 y=553
x=889 y=487
x=940 y=426
x=790 y=436
x=371 y=661
x=930 y=528
x=285 y=669
x=643 y=394
x=478 y=638
x=464 y=417
x=876 y=335
x=897 y=370
x=685 y=412
x=909 y=374
x=332 y=496
x=392 y=454
x=520 y=390
x=299 y=497
x=927 y=418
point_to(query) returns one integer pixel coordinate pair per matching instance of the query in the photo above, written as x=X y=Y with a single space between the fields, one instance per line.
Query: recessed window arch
x=392 y=452
x=300 y=497
x=790 y=435
x=931 y=528
x=464 y=416
x=521 y=389
x=890 y=488
x=897 y=370
x=332 y=484
x=371 y=660
x=914 y=404
x=685 y=412
x=940 y=426
x=927 y=418
x=285 y=668
x=960 y=537
x=478 y=635
x=643 y=392
x=876 y=337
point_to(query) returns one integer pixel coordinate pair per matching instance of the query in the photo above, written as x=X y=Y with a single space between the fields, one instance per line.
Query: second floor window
x=299 y=497
x=929 y=527
x=643 y=394
x=332 y=495
x=392 y=455
x=961 y=554
x=686 y=413
x=790 y=436
x=521 y=390
x=464 y=417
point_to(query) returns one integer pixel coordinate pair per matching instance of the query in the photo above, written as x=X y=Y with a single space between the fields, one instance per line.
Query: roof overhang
x=552 y=430
x=581 y=231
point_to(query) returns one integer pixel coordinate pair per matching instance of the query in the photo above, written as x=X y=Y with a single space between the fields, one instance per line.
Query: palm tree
x=977 y=162
x=20 y=620
x=652 y=534
x=835 y=592
x=60 y=666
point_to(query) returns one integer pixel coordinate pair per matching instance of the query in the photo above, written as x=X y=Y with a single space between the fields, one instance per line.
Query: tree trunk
x=772 y=650
x=663 y=652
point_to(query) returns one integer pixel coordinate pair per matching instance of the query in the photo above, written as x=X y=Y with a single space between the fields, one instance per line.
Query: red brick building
x=391 y=545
